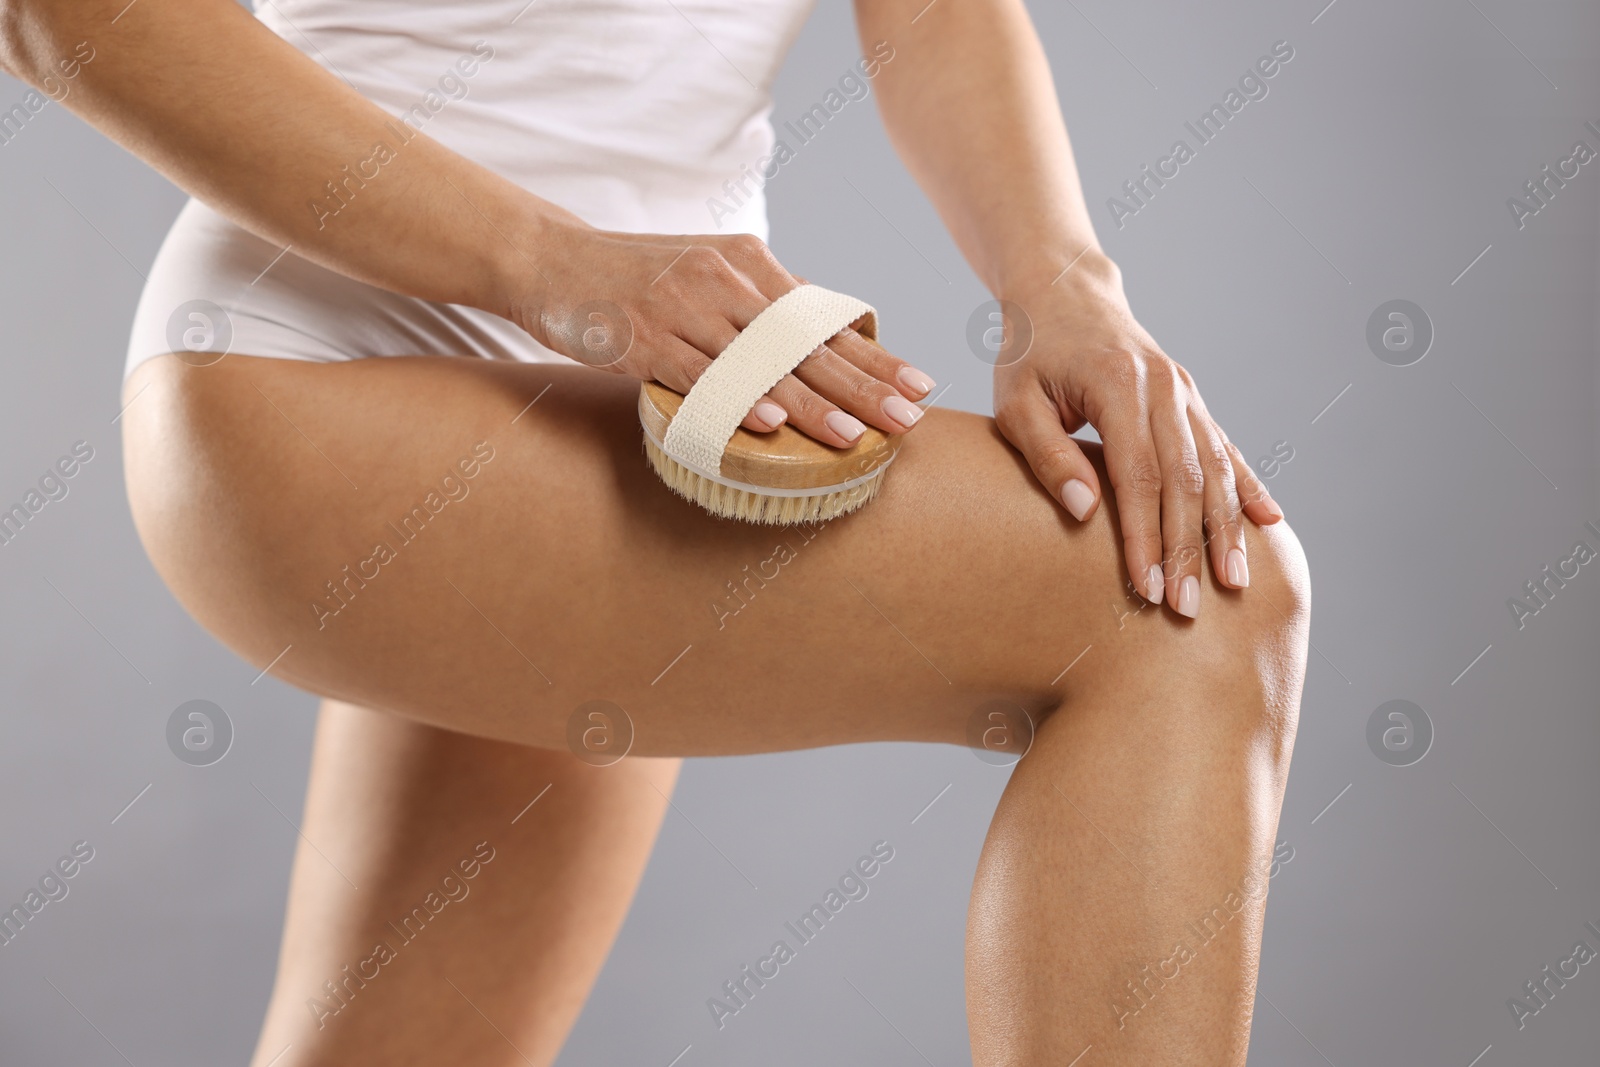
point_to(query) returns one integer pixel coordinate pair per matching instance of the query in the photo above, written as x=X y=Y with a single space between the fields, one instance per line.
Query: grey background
x=1377 y=168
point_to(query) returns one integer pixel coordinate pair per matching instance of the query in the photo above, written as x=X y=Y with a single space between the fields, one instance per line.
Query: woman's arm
x=970 y=105
x=239 y=118
x=242 y=120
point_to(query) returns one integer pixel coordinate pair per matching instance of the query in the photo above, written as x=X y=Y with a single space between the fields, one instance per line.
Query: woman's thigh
x=482 y=546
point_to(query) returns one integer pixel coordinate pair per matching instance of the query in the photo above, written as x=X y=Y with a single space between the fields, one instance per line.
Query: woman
x=476 y=179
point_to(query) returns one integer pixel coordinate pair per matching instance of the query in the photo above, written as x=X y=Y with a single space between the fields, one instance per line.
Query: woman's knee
x=1239 y=664
x=1278 y=599
x=1259 y=649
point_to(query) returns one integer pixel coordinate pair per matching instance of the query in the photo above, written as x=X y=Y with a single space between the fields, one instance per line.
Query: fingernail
x=1077 y=497
x=1189 y=596
x=901 y=410
x=1273 y=508
x=915 y=380
x=1238 y=570
x=770 y=414
x=846 y=426
x=1155 y=586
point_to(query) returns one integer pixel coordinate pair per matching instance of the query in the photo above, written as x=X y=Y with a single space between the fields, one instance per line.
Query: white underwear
x=217 y=288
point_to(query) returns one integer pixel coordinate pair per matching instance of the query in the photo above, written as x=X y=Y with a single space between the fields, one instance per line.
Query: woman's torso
x=630 y=113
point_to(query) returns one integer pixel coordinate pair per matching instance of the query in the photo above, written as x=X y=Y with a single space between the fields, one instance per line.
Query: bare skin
x=962 y=584
x=553 y=571
x=498 y=965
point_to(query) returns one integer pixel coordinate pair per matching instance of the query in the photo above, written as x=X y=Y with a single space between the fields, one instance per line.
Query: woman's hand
x=1179 y=481
x=660 y=308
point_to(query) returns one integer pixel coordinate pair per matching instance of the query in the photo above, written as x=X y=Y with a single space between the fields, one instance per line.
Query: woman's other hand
x=1181 y=485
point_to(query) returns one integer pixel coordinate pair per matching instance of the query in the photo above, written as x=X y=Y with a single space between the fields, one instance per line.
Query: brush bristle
x=745 y=506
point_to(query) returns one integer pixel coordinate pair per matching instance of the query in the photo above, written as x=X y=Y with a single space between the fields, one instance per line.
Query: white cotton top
x=632 y=114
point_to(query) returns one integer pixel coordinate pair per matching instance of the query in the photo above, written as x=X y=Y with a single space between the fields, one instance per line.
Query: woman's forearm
x=238 y=117
x=971 y=107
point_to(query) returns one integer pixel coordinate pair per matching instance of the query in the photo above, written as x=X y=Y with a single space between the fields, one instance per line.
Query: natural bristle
x=745 y=506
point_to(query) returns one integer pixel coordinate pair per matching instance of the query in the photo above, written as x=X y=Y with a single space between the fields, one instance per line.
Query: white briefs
x=633 y=114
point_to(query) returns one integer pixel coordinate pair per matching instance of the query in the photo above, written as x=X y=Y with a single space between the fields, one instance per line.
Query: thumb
x=1033 y=425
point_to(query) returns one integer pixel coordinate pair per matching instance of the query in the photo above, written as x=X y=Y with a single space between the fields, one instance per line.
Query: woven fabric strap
x=776 y=341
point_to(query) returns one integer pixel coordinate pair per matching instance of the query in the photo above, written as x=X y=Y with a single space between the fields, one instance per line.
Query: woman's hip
x=216 y=288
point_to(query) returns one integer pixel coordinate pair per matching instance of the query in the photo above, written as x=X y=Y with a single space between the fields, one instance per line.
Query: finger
x=815 y=415
x=1034 y=427
x=1224 y=528
x=682 y=366
x=830 y=398
x=1257 y=503
x=752 y=258
x=711 y=329
x=678 y=365
x=858 y=393
x=803 y=407
x=1136 y=477
x=766 y=416
x=1182 y=497
x=878 y=362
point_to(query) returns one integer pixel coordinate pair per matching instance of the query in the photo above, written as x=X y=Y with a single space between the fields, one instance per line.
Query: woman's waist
x=615 y=152
x=678 y=88
x=612 y=186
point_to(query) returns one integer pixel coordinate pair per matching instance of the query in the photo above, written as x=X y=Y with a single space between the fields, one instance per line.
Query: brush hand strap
x=776 y=341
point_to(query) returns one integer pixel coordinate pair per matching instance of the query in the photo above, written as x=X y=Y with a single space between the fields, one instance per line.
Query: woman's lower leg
x=453 y=898
x=1117 y=910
